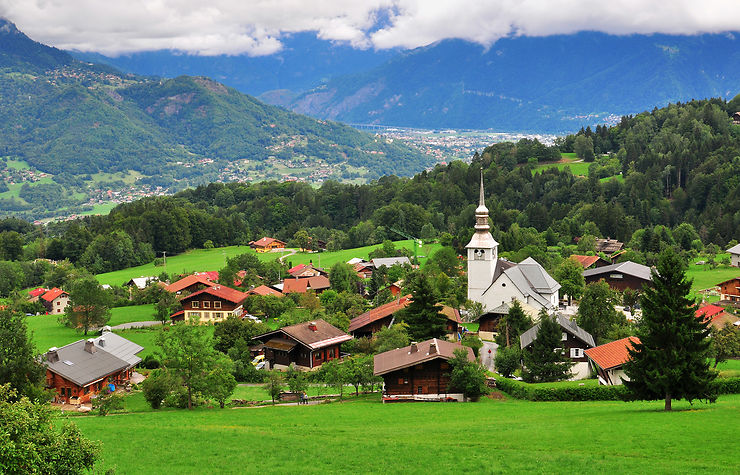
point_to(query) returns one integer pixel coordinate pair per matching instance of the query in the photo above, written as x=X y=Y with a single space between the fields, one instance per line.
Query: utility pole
x=164 y=256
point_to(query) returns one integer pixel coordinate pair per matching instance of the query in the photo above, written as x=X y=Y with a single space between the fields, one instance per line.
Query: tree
x=466 y=376
x=422 y=315
x=670 y=362
x=296 y=379
x=507 y=360
x=544 y=360
x=219 y=382
x=227 y=333
x=157 y=386
x=301 y=240
x=88 y=305
x=274 y=384
x=358 y=371
x=343 y=277
x=570 y=276
x=725 y=343
x=513 y=325
x=31 y=441
x=333 y=374
x=390 y=338
x=584 y=148
x=596 y=313
x=166 y=306
x=107 y=401
x=445 y=259
x=18 y=365
x=471 y=340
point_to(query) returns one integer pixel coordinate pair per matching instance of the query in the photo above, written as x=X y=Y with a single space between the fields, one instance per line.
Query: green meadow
x=704 y=276
x=328 y=259
x=364 y=435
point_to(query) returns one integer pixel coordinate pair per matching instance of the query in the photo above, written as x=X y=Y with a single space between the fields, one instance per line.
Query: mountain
x=540 y=84
x=80 y=123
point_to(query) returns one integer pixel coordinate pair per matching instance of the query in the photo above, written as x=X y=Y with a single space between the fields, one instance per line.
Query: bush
x=150 y=362
x=520 y=390
x=157 y=387
x=507 y=360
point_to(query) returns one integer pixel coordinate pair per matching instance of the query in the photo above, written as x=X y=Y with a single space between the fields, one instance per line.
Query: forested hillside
x=680 y=165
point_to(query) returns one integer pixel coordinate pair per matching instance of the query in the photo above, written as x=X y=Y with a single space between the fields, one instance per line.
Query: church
x=493 y=281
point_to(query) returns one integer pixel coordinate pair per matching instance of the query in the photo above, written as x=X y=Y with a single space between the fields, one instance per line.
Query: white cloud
x=255 y=27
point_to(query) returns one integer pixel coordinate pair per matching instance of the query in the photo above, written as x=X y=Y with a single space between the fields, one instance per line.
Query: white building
x=493 y=281
x=734 y=255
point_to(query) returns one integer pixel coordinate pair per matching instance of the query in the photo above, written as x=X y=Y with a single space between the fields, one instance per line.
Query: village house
x=420 y=371
x=81 y=369
x=141 y=282
x=574 y=342
x=307 y=345
x=264 y=290
x=625 y=275
x=608 y=360
x=590 y=261
x=306 y=270
x=267 y=244
x=363 y=269
x=734 y=253
x=608 y=246
x=372 y=321
x=729 y=291
x=211 y=304
x=55 y=301
x=35 y=294
x=302 y=285
x=717 y=316
x=189 y=284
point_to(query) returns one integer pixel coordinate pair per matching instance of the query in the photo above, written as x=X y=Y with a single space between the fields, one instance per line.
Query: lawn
x=704 y=276
x=328 y=259
x=366 y=436
x=135 y=313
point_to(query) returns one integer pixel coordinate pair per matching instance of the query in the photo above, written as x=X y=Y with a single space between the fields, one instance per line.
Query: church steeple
x=481 y=212
x=482 y=251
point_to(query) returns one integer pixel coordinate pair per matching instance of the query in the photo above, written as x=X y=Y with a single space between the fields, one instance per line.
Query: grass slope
x=367 y=436
x=328 y=259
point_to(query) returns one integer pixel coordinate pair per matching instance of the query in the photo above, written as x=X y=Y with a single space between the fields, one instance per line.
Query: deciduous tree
x=466 y=376
x=596 y=313
x=18 y=365
x=569 y=275
x=88 y=305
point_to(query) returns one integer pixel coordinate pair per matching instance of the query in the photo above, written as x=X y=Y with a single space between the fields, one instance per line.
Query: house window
x=576 y=352
x=217 y=304
x=217 y=315
x=59 y=303
x=418 y=390
x=564 y=337
x=195 y=304
x=206 y=315
x=194 y=314
x=206 y=304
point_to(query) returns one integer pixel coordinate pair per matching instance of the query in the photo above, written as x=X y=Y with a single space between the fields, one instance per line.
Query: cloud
x=255 y=27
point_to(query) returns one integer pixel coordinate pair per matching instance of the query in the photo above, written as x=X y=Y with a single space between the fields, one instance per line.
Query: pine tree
x=671 y=360
x=544 y=361
x=513 y=325
x=422 y=314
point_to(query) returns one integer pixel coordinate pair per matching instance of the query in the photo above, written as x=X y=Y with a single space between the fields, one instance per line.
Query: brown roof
x=281 y=344
x=451 y=313
x=379 y=313
x=264 y=290
x=608 y=245
x=186 y=282
x=407 y=356
x=295 y=285
x=319 y=282
x=52 y=294
x=220 y=291
x=611 y=355
x=585 y=261
x=325 y=334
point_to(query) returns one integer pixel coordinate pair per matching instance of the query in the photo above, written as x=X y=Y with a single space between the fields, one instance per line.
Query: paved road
x=488 y=353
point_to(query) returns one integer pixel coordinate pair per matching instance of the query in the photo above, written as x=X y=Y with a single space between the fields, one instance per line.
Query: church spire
x=481 y=212
x=482 y=201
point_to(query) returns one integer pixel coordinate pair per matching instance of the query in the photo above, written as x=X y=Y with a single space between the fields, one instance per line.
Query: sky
x=256 y=27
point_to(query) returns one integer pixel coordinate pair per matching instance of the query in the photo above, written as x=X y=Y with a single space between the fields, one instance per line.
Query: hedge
x=520 y=390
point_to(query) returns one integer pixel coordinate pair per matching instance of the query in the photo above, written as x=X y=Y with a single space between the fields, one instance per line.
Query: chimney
x=312 y=326
x=90 y=346
x=52 y=356
x=101 y=342
x=414 y=348
x=433 y=347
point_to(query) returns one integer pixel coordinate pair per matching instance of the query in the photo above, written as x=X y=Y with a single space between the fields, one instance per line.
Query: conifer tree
x=422 y=314
x=671 y=360
x=512 y=325
x=543 y=361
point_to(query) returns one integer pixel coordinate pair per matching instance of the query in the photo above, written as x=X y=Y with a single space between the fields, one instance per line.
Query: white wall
x=735 y=260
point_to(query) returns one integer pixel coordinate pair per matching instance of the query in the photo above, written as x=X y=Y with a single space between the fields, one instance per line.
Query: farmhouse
x=729 y=290
x=608 y=360
x=734 y=254
x=717 y=316
x=79 y=370
x=590 y=261
x=625 y=275
x=307 y=344
x=264 y=290
x=318 y=284
x=267 y=244
x=55 y=301
x=140 y=282
x=374 y=320
x=420 y=371
x=211 y=304
x=608 y=246
x=575 y=341
x=188 y=285
x=306 y=270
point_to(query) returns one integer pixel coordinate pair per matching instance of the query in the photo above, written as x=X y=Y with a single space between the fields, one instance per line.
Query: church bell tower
x=482 y=252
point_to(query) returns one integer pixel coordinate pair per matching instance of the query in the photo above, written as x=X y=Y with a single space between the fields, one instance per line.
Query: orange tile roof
x=52 y=294
x=319 y=282
x=38 y=292
x=221 y=291
x=186 y=282
x=297 y=268
x=295 y=285
x=264 y=290
x=611 y=355
x=585 y=261
x=379 y=312
x=265 y=241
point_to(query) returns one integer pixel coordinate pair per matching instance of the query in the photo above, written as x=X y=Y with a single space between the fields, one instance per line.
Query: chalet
x=79 y=370
x=188 y=285
x=55 y=300
x=363 y=269
x=264 y=290
x=306 y=270
x=729 y=290
x=211 y=304
x=454 y=322
x=608 y=360
x=420 y=371
x=141 y=282
x=395 y=288
x=390 y=262
x=717 y=316
x=608 y=246
x=588 y=262
x=35 y=294
x=302 y=285
x=734 y=253
x=307 y=344
x=625 y=275
x=374 y=320
x=267 y=244
x=575 y=341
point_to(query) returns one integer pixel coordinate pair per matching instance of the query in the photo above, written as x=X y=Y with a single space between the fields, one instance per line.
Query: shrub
x=507 y=360
x=157 y=387
x=150 y=362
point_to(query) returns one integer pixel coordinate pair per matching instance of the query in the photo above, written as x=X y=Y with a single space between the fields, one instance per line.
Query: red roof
x=221 y=291
x=266 y=241
x=264 y=290
x=37 y=292
x=611 y=355
x=297 y=268
x=710 y=312
x=186 y=282
x=379 y=313
x=295 y=285
x=585 y=261
x=211 y=275
x=52 y=294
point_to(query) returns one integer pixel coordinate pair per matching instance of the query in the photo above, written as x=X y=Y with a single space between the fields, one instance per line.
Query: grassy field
x=366 y=436
x=705 y=277
x=328 y=259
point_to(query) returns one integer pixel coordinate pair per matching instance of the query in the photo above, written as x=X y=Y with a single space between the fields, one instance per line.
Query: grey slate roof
x=390 y=261
x=532 y=280
x=85 y=368
x=566 y=324
x=627 y=267
x=734 y=249
x=120 y=347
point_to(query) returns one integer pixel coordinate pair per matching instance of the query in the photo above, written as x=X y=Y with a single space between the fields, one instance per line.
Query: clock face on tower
x=479 y=253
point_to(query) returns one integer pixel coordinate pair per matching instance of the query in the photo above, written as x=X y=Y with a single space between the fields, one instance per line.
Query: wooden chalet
x=488 y=323
x=55 y=301
x=363 y=269
x=302 y=285
x=736 y=118
x=306 y=270
x=625 y=275
x=608 y=360
x=211 y=304
x=189 y=284
x=374 y=320
x=608 y=246
x=81 y=369
x=264 y=290
x=267 y=244
x=729 y=290
x=588 y=262
x=575 y=341
x=307 y=345
x=717 y=316
x=395 y=288
x=420 y=371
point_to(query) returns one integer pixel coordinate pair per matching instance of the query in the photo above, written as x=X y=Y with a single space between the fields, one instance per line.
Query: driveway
x=487 y=354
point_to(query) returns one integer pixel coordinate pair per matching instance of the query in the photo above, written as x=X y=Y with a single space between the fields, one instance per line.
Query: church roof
x=482 y=240
x=566 y=324
x=530 y=278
